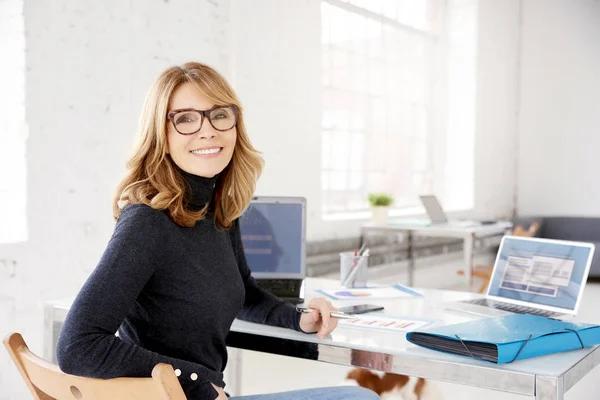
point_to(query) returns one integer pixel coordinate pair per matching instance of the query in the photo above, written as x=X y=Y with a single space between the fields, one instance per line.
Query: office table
x=543 y=378
x=467 y=233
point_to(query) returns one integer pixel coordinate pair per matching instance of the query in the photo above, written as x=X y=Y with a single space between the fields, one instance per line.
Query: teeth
x=207 y=151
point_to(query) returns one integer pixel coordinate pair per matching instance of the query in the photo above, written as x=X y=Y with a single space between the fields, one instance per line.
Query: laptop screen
x=272 y=232
x=543 y=272
x=434 y=209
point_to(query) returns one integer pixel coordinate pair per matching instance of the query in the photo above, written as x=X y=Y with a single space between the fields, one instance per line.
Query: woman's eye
x=186 y=118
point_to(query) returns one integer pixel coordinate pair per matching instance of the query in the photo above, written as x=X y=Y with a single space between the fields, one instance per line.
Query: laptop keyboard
x=281 y=287
x=517 y=309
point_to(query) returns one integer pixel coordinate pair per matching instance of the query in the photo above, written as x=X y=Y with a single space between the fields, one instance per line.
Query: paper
x=382 y=322
x=388 y=292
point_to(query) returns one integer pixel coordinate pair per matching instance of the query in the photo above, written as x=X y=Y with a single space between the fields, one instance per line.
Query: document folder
x=507 y=338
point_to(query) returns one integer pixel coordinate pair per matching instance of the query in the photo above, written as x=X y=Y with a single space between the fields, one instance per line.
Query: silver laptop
x=438 y=216
x=273 y=233
x=534 y=276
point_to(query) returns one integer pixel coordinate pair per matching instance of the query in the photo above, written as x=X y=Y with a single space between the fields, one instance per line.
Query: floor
x=278 y=373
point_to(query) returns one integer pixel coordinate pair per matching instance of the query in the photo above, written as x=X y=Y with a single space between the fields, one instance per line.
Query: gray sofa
x=583 y=229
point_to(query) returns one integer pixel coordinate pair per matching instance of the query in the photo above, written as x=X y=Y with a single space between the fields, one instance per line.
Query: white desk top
x=395 y=343
x=441 y=229
x=517 y=377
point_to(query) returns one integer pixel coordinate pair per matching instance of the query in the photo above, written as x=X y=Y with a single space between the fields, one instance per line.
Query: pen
x=334 y=314
x=354 y=270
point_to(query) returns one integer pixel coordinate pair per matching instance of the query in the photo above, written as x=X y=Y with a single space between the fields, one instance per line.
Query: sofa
x=582 y=229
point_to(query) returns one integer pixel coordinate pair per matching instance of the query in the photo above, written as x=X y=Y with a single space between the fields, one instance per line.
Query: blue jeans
x=329 y=393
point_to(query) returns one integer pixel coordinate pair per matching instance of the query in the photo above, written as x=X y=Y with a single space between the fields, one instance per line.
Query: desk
x=543 y=378
x=467 y=233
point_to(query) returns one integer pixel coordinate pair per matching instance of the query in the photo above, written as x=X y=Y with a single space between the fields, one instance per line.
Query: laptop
x=438 y=216
x=273 y=231
x=534 y=276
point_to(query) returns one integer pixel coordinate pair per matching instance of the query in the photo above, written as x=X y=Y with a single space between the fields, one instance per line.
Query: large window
x=13 y=133
x=383 y=102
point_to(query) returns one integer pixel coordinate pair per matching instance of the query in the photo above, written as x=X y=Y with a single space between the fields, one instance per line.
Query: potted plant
x=380 y=202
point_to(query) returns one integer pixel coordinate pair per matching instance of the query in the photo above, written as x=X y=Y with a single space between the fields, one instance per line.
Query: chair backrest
x=529 y=232
x=47 y=382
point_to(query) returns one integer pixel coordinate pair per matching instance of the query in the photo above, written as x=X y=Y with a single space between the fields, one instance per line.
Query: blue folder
x=507 y=338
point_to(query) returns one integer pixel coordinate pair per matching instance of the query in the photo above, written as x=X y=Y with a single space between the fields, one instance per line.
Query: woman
x=173 y=276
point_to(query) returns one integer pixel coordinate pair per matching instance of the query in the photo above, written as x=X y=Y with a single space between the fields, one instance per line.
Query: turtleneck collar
x=201 y=188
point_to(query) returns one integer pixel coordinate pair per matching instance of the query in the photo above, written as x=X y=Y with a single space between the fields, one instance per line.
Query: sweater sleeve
x=87 y=345
x=260 y=306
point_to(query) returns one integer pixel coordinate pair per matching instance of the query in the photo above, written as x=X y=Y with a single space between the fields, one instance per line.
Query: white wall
x=277 y=48
x=12 y=122
x=89 y=65
x=497 y=83
x=284 y=70
x=559 y=122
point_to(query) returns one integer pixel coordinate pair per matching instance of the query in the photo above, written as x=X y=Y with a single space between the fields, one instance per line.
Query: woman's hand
x=319 y=321
x=222 y=395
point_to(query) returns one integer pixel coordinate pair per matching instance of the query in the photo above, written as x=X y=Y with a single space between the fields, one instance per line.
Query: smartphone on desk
x=359 y=309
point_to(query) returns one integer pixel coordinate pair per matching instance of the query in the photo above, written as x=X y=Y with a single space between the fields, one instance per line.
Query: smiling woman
x=191 y=120
x=174 y=275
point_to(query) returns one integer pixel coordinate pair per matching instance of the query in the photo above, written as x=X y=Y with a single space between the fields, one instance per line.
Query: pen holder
x=353 y=270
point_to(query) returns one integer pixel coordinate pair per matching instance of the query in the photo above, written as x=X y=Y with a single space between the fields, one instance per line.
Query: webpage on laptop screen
x=272 y=237
x=545 y=273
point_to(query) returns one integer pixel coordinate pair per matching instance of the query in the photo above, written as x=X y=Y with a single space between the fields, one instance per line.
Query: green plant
x=380 y=199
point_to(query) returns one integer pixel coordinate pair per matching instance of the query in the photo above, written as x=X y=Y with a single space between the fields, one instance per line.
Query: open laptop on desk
x=273 y=232
x=438 y=216
x=534 y=276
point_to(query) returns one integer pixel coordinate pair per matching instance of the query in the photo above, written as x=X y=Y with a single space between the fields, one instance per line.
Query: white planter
x=380 y=215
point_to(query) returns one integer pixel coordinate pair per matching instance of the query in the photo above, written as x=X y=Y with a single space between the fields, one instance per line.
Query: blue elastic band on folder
x=466 y=348
x=521 y=349
x=518 y=352
x=578 y=337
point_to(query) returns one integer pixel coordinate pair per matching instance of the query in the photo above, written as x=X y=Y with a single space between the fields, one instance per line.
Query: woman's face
x=204 y=153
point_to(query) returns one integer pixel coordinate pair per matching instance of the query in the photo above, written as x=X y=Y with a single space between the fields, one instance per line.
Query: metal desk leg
x=468 y=243
x=389 y=258
x=411 y=258
x=549 y=388
x=233 y=378
x=49 y=335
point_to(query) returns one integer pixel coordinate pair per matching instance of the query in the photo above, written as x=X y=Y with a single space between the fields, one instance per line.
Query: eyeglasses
x=188 y=121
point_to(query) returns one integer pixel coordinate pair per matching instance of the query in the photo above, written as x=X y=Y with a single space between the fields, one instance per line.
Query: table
x=543 y=378
x=467 y=233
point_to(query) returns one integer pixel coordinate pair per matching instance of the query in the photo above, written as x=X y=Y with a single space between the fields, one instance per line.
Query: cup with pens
x=353 y=268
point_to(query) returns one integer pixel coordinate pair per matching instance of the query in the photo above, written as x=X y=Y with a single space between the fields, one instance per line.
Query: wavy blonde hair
x=154 y=180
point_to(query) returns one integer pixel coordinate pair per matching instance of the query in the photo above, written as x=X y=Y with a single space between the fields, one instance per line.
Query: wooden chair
x=47 y=382
x=484 y=272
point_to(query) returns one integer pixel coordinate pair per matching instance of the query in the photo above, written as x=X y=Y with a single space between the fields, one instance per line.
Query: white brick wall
x=12 y=122
x=89 y=65
x=12 y=171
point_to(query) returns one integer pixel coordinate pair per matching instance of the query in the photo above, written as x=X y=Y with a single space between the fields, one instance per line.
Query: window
x=382 y=127
x=13 y=225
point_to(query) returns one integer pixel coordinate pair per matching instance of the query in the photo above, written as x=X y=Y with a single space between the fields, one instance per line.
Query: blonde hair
x=154 y=180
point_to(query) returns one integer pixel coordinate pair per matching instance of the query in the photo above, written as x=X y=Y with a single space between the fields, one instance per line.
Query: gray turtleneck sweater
x=172 y=293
